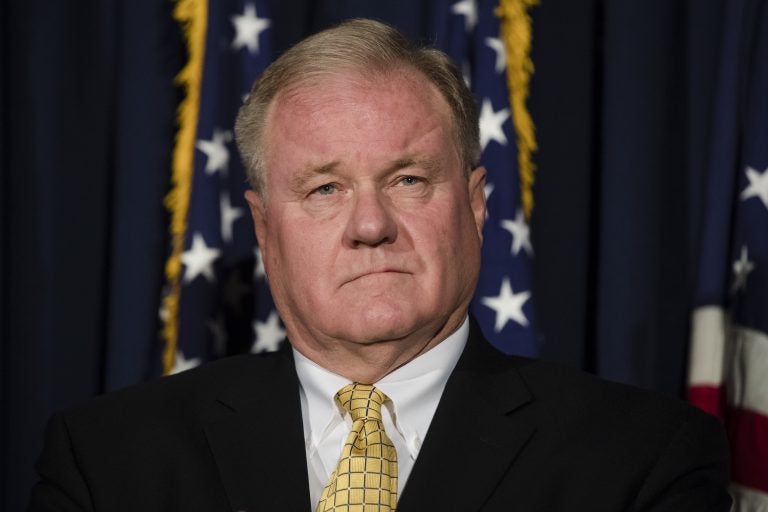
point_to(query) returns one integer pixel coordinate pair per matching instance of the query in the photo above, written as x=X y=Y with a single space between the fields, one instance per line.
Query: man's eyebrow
x=308 y=173
x=299 y=181
x=428 y=164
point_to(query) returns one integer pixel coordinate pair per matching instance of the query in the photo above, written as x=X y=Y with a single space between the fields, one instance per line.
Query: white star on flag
x=495 y=44
x=758 y=185
x=507 y=305
x=248 y=27
x=520 y=232
x=741 y=269
x=468 y=9
x=258 y=269
x=269 y=334
x=216 y=151
x=180 y=363
x=488 y=189
x=228 y=216
x=199 y=259
x=491 y=124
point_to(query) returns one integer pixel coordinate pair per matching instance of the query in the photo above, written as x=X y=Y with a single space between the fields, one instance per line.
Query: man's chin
x=380 y=334
x=373 y=329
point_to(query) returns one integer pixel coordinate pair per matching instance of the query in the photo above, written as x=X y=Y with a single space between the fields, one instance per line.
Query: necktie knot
x=363 y=401
x=366 y=475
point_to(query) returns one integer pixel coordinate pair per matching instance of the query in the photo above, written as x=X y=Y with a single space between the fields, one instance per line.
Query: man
x=368 y=208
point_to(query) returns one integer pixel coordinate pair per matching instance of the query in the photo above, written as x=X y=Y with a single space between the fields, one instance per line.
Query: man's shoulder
x=577 y=393
x=574 y=441
x=190 y=395
x=580 y=413
x=566 y=393
x=563 y=399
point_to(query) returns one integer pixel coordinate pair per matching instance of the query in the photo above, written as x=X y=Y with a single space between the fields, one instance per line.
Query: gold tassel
x=516 y=31
x=192 y=15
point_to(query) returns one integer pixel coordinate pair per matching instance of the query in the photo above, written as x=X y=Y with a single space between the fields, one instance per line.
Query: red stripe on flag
x=710 y=399
x=748 y=433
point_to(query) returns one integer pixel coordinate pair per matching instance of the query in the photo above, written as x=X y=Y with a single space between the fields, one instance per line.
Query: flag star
x=758 y=185
x=199 y=259
x=491 y=124
x=248 y=27
x=488 y=189
x=507 y=305
x=216 y=151
x=741 y=269
x=468 y=9
x=228 y=216
x=520 y=232
x=496 y=44
x=269 y=334
x=258 y=269
x=180 y=363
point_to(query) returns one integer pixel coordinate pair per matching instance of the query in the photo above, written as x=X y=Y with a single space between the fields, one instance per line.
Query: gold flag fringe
x=192 y=15
x=516 y=31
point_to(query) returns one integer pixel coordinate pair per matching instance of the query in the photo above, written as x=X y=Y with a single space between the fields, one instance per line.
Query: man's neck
x=369 y=363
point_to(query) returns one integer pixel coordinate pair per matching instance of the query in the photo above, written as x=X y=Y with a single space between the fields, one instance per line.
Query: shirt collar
x=414 y=389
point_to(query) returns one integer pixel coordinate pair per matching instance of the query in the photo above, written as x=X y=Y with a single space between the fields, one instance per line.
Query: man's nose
x=370 y=222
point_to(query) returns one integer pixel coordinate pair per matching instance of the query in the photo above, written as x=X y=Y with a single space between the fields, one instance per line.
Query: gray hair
x=364 y=46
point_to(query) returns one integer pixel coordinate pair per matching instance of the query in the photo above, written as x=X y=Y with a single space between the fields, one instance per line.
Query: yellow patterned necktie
x=366 y=476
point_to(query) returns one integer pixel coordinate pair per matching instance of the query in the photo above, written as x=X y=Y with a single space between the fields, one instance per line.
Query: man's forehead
x=314 y=90
x=387 y=119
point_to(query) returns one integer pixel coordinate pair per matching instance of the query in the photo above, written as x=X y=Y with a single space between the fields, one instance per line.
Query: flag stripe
x=705 y=366
x=748 y=432
x=748 y=500
x=748 y=356
x=708 y=398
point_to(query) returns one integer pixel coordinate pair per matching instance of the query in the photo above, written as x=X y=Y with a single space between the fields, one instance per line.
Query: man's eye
x=326 y=190
x=410 y=180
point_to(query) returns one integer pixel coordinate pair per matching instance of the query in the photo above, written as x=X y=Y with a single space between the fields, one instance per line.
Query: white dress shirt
x=414 y=391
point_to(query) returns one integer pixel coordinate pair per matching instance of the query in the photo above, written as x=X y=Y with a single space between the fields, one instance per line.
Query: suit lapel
x=257 y=440
x=474 y=436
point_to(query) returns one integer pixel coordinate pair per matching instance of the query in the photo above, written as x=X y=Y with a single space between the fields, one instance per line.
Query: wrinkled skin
x=369 y=226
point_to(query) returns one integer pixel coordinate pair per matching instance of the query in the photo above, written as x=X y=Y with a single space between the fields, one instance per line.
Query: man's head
x=356 y=46
x=367 y=212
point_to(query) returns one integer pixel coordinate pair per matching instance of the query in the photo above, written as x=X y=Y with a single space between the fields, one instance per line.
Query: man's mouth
x=375 y=272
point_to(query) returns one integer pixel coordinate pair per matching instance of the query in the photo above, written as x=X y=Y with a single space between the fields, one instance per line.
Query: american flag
x=224 y=303
x=469 y=31
x=728 y=374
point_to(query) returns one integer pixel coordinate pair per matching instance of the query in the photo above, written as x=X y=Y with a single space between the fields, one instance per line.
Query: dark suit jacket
x=509 y=434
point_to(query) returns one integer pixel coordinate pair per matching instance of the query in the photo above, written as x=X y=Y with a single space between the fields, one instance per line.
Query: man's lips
x=378 y=271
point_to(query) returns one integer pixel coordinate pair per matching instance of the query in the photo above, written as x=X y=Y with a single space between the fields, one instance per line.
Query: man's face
x=369 y=228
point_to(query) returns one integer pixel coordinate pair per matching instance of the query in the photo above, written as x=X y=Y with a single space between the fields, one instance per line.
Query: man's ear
x=477 y=197
x=258 y=213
